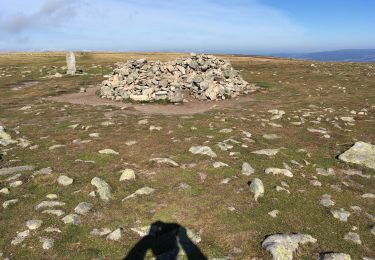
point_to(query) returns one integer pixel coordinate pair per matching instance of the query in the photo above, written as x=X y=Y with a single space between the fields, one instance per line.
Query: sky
x=211 y=26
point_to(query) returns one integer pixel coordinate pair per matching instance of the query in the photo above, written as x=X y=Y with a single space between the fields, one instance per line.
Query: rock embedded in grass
x=108 y=151
x=115 y=235
x=282 y=246
x=360 y=153
x=268 y=152
x=127 y=175
x=100 y=232
x=7 y=203
x=141 y=191
x=21 y=236
x=203 y=150
x=72 y=219
x=47 y=243
x=277 y=171
x=326 y=201
x=166 y=161
x=103 y=188
x=219 y=165
x=15 y=169
x=256 y=187
x=83 y=208
x=340 y=214
x=64 y=180
x=353 y=237
x=246 y=169
x=49 y=204
x=33 y=224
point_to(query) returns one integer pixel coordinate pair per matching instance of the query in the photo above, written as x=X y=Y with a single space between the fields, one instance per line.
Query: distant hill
x=354 y=55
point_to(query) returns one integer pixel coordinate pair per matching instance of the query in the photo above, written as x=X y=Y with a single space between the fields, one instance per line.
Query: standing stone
x=70 y=63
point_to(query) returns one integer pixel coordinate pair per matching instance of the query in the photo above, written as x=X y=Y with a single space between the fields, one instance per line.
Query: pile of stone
x=204 y=77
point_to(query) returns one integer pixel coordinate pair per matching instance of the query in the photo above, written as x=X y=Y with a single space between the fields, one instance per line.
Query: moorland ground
x=223 y=214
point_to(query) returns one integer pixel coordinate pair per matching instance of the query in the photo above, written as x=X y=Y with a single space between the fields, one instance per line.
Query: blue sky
x=234 y=26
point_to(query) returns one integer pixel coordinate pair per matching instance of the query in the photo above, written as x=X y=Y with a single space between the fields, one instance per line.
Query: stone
x=108 y=151
x=325 y=172
x=33 y=224
x=372 y=230
x=360 y=153
x=257 y=188
x=49 y=204
x=274 y=213
x=4 y=191
x=219 y=165
x=166 y=161
x=203 y=150
x=141 y=191
x=100 y=232
x=83 y=208
x=103 y=188
x=52 y=230
x=70 y=63
x=43 y=171
x=56 y=146
x=368 y=196
x=127 y=175
x=268 y=152
x=15 y=184
x=16 y=169
x=5 y=138
x=247 y=170
x=21 y=236
x=47 y=243
x=353 y=237
x=7 y=203
x=334 y=256
x=64 y=180
x=282 y=246
x=326 y=201
x=277 y=171
x=52 y=196
x=115 y=235
x=72 y=219
x=340 y=214
x=271 y=136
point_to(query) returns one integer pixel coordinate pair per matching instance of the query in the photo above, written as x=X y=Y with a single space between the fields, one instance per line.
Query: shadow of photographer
x=165 y=240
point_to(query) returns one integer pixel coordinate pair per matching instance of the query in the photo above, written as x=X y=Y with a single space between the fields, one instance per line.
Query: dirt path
x=192 y=107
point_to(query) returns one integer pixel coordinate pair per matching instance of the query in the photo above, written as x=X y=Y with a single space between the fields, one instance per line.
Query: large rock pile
x=204 y=77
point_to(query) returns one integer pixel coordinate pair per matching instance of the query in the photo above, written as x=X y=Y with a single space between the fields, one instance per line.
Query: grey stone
x=334 y=256
x=64 y=180
x=282 y=246
x=34 y=224
x=100 y=232
x=204 y=150
x=360 y=153
x=277 y=171
x=72 y=219
x=7 y=203
x=47 y=243
x=166 y=161
x=115 y=235
x=21 y=236
x=141 y=191
x=340 y=214
x=83 y=208
x=127 y=175
x=353 y=237
x=256 y=187
x=16 y=169
x=268 y=152
x=247 y=169
x=70 y=63
x=103 y=188
x=49 y=204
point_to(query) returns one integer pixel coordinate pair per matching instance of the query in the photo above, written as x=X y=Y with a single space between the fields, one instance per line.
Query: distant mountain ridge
x=349 y=55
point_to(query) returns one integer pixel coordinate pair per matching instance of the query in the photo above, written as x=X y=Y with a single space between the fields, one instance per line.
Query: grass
x=292 y=86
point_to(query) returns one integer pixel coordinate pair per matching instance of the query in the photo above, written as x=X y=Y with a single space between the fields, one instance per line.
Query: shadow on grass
x=165 y=240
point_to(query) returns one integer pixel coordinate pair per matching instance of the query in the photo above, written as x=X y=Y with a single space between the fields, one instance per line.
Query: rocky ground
x=252 y=181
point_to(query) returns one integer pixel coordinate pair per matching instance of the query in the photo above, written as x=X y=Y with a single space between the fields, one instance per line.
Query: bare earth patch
x=192 y=107
x=26 y=84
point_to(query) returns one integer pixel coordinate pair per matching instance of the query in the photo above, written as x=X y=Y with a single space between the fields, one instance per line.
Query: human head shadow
x=163 y=240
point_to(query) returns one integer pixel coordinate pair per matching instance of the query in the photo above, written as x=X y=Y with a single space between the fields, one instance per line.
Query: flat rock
x=353 y=237
x=166 y=161
x=219 y=165
x=47 y=243
x=141 y=191
x=246 y=169
x=325 y=172
x=100 y=232
x=115 y=235
x=83 y=208
x=64 y=180
x=360 y=153
x=103 y=188
x=326 y=201
x=127 y=175
x=16 y=169
x=49 y=204
x=72 y=219
x=340 y=214
x=21 y=236
x=203 y=150
x=7 y=203
x=56 y=212
x=256 y=187
x=277 y=171
x=34 y=224
x=268 y=152
x=282 y=246
x=108 y=151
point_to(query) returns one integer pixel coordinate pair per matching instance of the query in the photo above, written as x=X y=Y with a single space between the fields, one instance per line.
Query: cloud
x=51 y=13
